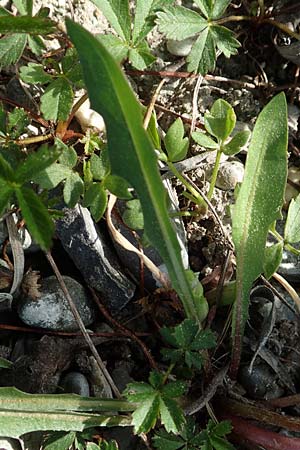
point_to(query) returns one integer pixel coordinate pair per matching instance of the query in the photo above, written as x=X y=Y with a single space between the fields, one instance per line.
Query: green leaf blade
x=131 y=154
x=116 y=46
x=202 y=57
x=225 y=40
x=26 y=24
x=145 y=416
x=171 y=415
x=34 y=73
x=6 y=171
x=6 y=192
x=37 y=218
x=176 y=144
x=259 y=202
x=239 y=140
x=179 y=23
x=117 y=14
x=35 y=163
x=11 y=49
x=292 y=225
x=204 y=140
x=56 y=102
x=96 y=199
x=24 y=6
x=73 y=189
x=221 y=119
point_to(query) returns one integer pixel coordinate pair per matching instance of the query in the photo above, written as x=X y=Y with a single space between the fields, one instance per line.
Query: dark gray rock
x=75 y=383
x=92 y=253
x=51 y=309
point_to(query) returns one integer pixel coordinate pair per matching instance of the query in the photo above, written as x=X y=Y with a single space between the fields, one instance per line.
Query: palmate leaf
x=36 y=44
x=17 y=122
x=117 y=14
x=219 y=8
x=179 y=22
x=132 y=156
x=258 y=205
x=205 y=7
x=212 y=9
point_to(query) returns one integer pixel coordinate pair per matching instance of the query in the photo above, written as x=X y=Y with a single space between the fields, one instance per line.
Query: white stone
x=88 y=118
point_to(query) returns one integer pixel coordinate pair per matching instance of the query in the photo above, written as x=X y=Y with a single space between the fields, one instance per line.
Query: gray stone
x=180 y=48
x=51 y=309
x=230 y=173
x=92 y=253
x=75 y=383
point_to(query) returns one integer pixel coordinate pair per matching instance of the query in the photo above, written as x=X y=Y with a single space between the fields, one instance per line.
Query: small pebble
x=260 y=383
x=230 y=173
x=180 y=48
x=75 y=383
x=51 y=309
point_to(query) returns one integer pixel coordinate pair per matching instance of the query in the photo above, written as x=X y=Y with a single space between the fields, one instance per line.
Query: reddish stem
x=265 y=438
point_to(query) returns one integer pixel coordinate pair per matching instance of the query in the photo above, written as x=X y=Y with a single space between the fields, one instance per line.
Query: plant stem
x=33 y=139
x=292 y=249
x=273 y=22
x=166 y=375
x=287 y=246
x=214 y=174
x=197 y=198
x=261 y=8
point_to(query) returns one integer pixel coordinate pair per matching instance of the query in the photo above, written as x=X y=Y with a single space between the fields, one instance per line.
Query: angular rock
x=92 y=252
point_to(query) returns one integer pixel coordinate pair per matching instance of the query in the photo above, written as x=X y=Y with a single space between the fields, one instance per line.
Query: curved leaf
x=132 y=155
